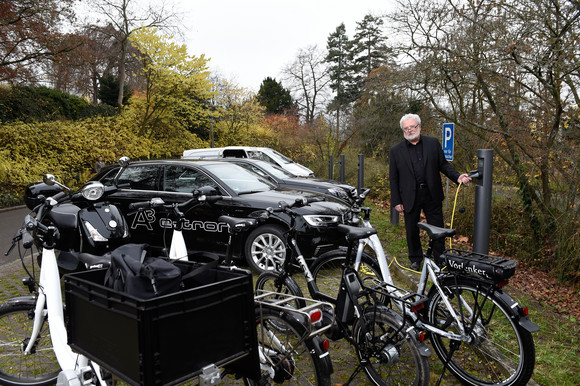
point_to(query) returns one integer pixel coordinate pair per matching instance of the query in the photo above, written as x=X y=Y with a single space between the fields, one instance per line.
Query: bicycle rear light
x=421 y=337
x=503 y=283
x=325 y=345
x=418 y=306
x=315 y=315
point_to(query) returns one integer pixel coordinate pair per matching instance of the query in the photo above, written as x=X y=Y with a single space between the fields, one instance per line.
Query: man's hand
x=463 y=179
x=399 y=208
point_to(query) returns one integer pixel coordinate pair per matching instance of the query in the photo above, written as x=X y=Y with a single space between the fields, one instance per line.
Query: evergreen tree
x=109 y=89
x=274 y=97
x=367 y=50
x=339 y=70
x=339 y=65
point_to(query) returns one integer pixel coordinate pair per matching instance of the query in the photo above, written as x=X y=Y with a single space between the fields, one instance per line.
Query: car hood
x=298 y=169
x=321 y=181
x=331 y=205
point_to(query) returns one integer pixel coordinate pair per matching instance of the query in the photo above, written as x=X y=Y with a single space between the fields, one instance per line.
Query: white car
x=263 y=153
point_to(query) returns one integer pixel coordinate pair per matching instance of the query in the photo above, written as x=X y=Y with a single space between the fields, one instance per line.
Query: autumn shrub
x=68 y=149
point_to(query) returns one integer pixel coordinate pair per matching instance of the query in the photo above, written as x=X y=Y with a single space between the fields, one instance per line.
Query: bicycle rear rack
x=286 y=302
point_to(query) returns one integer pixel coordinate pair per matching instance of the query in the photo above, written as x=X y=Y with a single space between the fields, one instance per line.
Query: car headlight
x=321 y=220
x=93 y=190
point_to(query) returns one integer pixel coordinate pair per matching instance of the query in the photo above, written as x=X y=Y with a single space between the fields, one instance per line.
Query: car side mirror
x=206 y=191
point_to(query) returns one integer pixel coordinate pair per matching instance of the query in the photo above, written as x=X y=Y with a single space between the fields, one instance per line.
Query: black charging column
x=483 y=189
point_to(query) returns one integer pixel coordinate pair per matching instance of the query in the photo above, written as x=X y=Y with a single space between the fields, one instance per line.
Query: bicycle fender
x=323 y=355
x=517 y=312
x=30 y=300
x=424 y=350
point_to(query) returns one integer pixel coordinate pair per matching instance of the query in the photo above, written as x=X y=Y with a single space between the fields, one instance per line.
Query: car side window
x=140 y=177
x=185 y=180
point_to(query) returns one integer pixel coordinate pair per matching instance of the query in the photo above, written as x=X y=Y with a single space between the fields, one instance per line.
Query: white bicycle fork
x=50 y=295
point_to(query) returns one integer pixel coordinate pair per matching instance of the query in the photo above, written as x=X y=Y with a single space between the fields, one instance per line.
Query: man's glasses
x=407 y=129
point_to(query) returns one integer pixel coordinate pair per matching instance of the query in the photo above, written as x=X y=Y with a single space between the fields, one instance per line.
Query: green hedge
x=40 y=104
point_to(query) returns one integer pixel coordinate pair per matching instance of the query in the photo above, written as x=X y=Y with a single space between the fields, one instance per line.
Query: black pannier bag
x=133 y=272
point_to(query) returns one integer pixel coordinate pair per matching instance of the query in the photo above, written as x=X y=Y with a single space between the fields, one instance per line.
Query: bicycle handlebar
x=158 y=202
x=284 y=207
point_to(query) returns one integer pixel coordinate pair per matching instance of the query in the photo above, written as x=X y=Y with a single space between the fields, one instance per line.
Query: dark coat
x=402 y=177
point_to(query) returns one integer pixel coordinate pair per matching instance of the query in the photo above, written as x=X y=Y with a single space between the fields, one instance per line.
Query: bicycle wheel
x=500 y=352
x=41 y=366
x=269 y=281
x=327 y=270
x=387 y=355
x=294 y=361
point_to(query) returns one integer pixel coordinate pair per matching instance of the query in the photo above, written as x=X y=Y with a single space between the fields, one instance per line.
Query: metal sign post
x=448 y=140
x=448 y=145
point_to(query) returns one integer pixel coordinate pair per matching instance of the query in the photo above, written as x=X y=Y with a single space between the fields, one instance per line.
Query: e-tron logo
x=147 y=218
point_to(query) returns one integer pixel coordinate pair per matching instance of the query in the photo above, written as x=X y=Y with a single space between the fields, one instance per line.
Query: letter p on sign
x=448 y=134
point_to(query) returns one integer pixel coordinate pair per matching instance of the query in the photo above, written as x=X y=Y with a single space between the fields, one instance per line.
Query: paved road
x=11 y=220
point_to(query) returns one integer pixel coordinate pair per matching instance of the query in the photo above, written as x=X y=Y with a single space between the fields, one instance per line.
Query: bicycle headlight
x=93 y=190
x=321 y=220
x=94 y=233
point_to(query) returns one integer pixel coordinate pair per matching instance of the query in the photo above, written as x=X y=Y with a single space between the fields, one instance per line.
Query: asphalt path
x=11 y=219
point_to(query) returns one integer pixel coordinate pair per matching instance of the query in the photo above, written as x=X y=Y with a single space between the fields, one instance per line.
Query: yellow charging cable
x=453 y=212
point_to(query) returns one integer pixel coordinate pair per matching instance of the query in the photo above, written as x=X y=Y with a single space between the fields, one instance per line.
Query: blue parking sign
x=448 y=134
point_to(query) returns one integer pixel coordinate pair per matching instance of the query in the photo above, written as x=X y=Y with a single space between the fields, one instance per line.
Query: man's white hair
x=409 y=116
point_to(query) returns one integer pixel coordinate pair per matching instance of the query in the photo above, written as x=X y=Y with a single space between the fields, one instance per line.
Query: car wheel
x=265 y=248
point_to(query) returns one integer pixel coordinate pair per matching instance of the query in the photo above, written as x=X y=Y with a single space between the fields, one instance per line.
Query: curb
x=12 y=208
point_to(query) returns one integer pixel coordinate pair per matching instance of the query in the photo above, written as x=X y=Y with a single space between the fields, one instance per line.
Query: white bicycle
x=478 y=331
x=31 y=352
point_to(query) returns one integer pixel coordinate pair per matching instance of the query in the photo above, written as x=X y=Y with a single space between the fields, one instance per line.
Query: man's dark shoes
x=416 y=266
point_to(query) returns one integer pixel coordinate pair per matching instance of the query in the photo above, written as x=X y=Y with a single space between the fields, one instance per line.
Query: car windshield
x=275 y=170
x=238 y=179
x=282 y=157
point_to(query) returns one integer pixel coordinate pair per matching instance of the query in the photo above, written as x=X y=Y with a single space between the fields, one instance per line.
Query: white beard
x=412 y=138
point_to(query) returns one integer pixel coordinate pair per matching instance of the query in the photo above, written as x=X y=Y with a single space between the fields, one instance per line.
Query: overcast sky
x=249 y=40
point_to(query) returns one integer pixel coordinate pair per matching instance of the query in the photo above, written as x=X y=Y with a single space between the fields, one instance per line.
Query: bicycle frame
x=49 y=304
x=178 y=251
x=429 y=269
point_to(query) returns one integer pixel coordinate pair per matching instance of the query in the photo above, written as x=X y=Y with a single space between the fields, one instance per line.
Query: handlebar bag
x=133 y=272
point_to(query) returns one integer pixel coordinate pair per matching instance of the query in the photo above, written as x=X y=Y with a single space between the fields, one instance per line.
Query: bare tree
x=30 y=34
x=506 y=72
x=307 y=79
x=127 y=16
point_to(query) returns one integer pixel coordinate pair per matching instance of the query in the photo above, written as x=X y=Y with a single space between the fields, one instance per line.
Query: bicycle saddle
x=435 y=232
x=356 y=233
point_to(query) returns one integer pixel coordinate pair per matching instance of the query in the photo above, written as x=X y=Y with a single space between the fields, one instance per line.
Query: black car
x=244 y=193
x=286 y=179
